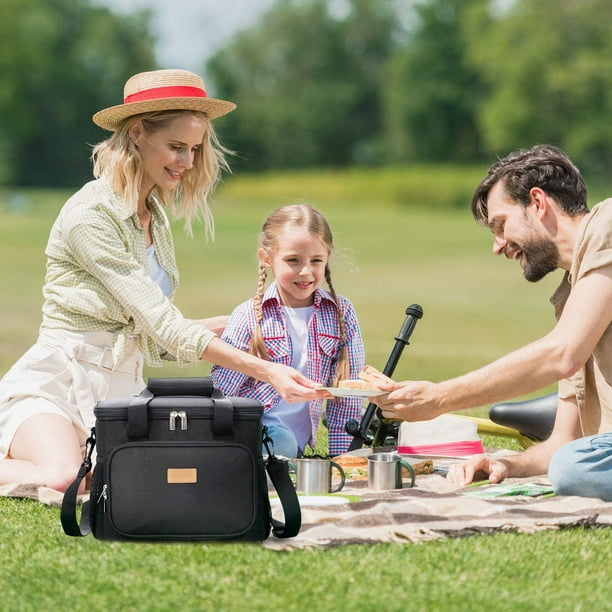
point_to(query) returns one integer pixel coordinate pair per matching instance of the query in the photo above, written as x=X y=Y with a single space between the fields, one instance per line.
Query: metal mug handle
x=410 y=469
x=342 y=477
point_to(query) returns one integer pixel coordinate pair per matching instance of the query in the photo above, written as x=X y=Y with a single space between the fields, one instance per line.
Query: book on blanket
x=487 y=490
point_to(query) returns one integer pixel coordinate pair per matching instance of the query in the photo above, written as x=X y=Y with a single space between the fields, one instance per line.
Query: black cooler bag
x=180 y=462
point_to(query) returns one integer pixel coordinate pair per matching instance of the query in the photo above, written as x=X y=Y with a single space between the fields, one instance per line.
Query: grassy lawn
x=402 y=237
x=44 y=570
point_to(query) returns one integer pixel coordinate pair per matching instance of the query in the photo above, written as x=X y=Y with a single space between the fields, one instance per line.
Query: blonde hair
x=310 y=219
x=120 y=159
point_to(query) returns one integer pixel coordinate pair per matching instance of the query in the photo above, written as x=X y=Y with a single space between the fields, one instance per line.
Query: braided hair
x=306 y=217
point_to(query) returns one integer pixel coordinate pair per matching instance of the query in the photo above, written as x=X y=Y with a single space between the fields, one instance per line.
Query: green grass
x=43 y=569
x=402 y=237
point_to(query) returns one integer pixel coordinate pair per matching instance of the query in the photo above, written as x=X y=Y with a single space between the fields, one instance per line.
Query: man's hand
x=410 y=401
x=477 y=468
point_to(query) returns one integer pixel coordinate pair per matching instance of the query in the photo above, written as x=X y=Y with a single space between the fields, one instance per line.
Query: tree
x=431 y=95
x=61 y=61
x=548 y=69
x=307 y=82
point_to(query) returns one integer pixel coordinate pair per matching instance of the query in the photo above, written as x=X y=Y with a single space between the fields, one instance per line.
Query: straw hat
x=162 y=90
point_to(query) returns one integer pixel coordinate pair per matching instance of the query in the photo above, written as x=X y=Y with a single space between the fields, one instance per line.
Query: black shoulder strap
x=278 y=471
x=68 y=514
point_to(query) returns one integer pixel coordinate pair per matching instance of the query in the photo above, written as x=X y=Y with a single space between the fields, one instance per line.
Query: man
x=534 y=203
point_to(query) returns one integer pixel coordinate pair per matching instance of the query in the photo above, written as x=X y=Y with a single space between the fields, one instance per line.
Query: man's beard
x=540 y=256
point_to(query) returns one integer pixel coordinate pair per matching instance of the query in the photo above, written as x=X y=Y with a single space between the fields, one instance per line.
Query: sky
x=190 y=31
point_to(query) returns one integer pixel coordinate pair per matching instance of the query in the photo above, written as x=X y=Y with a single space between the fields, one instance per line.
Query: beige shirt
x=592 y=384
x=98 y=278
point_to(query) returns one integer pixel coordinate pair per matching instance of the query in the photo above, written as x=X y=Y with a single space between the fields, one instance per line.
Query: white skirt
x=66 y=373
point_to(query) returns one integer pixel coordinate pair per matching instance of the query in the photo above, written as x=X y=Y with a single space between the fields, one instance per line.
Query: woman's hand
x=410 y=401
x=477 y=468
x=292 y=386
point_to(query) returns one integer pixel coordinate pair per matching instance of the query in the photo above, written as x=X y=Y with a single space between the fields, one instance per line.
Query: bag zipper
x=103 y=495
x=112 y=413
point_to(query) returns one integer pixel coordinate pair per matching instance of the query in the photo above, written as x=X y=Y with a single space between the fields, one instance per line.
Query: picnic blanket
x=432 y=510
x=37 y=492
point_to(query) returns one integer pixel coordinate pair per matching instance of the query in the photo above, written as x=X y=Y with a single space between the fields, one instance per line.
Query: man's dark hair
x=544 y=166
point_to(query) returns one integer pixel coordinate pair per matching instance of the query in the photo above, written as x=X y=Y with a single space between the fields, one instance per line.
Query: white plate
x=340 y=392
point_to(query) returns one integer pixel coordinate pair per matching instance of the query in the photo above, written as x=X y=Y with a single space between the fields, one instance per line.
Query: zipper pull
x=103 y=495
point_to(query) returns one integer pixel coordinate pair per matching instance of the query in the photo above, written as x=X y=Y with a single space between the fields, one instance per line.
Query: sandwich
x=369 y=378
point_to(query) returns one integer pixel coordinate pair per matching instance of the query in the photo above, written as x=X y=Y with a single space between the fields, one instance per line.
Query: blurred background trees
x=308 y=84
x=324 y=83
x=61 y=61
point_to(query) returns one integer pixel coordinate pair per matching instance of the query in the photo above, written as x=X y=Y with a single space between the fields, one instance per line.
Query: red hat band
x=173 y=91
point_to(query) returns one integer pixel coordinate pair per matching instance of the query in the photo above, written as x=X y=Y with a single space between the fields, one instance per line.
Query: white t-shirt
x=295 y=417
x=160 y=276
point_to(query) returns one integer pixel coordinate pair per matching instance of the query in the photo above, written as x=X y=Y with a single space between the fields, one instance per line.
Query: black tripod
x=361 y=431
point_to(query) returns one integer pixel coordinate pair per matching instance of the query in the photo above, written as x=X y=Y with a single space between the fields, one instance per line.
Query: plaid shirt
x=98 y=278
x=323 y=346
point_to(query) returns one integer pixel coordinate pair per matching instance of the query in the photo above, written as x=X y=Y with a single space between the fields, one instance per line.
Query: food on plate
x=369 y=378
x=356 y=466
x=351 y=461
x=371 y=375
x=357 y=384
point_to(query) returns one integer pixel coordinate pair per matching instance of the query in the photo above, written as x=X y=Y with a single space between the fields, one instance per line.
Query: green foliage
x=60 y=61
x=433 y=80
x=324 y=83
x=431 y=94
x=546 y=64
x=418 y=186
x=307 y=82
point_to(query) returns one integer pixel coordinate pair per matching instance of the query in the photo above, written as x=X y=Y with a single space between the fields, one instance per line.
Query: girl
x=296 y=322
x=111 y=279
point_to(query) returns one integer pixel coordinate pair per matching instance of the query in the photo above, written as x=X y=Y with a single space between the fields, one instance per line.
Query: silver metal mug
x=385 y=471
x=314 y=475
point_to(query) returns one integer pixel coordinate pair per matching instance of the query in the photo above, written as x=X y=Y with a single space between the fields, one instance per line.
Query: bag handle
x=199 y=386
x=68 y=514
x=223 y=418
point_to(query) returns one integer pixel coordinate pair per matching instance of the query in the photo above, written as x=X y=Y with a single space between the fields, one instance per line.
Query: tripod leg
x=361 y=430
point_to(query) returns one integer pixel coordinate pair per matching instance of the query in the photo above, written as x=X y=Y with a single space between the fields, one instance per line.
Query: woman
x=111 y=278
